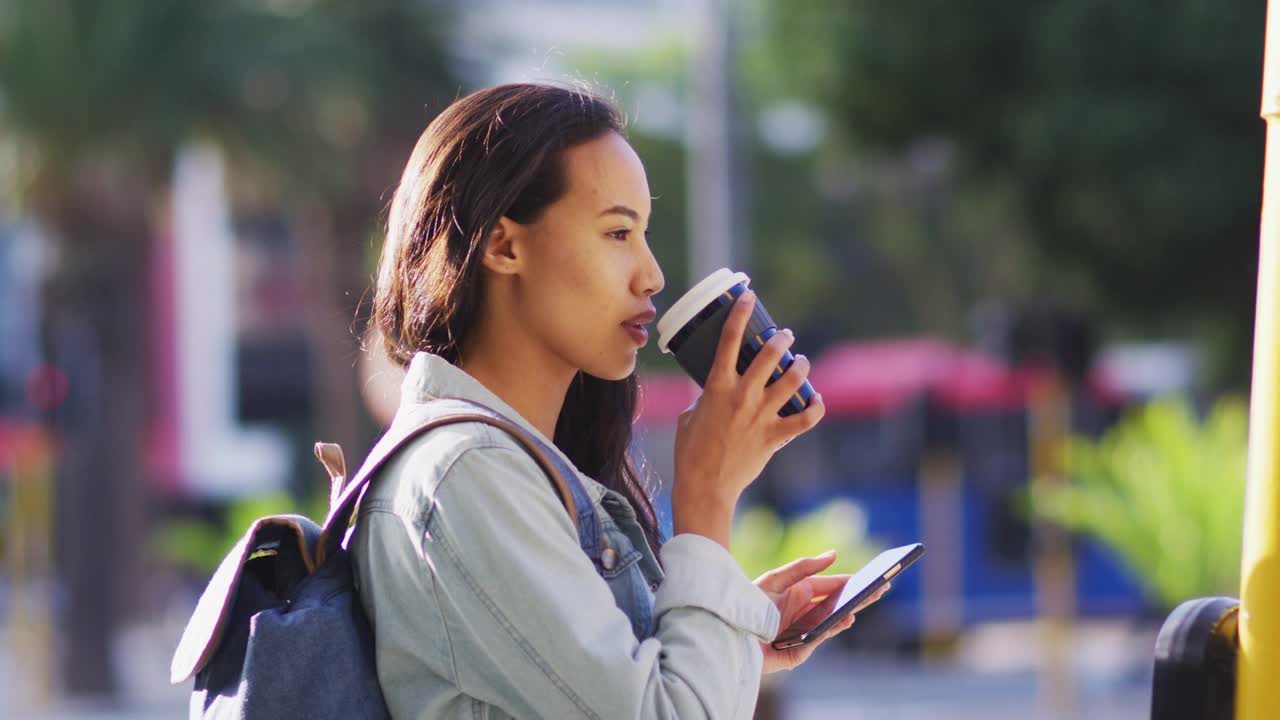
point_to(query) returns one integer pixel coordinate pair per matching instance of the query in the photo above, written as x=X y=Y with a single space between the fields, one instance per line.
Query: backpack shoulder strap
x=451 y=411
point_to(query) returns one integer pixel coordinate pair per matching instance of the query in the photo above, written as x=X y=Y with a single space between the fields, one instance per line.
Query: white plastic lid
x=692 y=302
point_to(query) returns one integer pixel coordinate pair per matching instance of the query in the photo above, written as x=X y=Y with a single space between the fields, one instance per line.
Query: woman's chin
x=615 y=371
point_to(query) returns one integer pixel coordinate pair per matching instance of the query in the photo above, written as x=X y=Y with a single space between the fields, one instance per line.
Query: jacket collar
x=430 y=377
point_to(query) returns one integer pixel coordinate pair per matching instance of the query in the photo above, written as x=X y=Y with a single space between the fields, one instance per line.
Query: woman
x=516 y=274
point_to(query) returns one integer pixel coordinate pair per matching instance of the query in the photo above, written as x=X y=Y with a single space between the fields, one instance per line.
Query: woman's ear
x=501 y=247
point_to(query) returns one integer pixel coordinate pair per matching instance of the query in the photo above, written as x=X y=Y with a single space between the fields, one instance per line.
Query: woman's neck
x=527 y=378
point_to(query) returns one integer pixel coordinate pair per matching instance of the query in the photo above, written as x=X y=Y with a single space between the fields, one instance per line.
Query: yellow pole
x=28 y=547
x=1053 y=573
x=1258 y=690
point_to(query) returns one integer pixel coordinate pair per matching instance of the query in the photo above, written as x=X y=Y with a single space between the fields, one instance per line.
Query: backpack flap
x=266 y=537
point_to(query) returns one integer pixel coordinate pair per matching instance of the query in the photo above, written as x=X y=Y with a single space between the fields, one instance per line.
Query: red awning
x=872 y=378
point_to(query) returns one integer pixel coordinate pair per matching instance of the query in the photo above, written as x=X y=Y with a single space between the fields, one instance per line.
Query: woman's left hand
x=795 y=589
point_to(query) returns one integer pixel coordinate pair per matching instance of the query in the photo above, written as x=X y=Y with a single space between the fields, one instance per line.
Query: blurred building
x=217 y=315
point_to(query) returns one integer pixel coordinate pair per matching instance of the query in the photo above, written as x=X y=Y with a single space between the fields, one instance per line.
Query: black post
x=1195 y=661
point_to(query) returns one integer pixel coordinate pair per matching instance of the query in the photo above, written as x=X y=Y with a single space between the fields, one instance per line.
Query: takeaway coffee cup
x=690 y=330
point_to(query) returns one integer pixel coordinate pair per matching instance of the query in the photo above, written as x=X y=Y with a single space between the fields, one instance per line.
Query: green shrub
x=199 y=546
x=762 y=541
x=1165 y=492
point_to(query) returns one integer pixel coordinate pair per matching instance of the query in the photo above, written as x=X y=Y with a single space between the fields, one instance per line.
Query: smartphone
x=860 y=586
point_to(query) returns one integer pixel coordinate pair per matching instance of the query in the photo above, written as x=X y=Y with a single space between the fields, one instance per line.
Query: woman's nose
x=649 y=279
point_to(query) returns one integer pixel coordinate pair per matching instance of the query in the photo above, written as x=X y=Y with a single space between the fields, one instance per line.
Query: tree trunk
x=94 y=332
x=330 y=323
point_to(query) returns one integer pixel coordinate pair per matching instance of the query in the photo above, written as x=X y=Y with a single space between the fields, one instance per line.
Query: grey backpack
x=279 y=631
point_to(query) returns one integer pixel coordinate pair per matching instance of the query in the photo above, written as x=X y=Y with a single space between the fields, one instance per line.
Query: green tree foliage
x=298 y=83
x=1120 y=141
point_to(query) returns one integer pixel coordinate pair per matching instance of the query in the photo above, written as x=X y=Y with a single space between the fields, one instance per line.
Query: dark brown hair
x=495 y=153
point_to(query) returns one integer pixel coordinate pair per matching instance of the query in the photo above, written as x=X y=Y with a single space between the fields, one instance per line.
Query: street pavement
x=995 y=674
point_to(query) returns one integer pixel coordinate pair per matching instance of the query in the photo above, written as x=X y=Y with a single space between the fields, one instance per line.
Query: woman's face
x=586 y=269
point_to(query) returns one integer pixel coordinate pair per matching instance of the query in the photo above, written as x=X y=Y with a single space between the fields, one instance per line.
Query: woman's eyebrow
x=622 y=210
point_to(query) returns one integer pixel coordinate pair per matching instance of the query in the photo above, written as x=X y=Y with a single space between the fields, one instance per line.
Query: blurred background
x=1017 y=238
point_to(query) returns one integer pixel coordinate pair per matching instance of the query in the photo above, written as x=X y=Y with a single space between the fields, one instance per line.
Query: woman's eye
x=619 y=234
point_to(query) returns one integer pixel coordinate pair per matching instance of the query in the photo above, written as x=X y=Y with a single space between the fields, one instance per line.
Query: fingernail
x=789 y=333
x=749 y=296
x=828 y=553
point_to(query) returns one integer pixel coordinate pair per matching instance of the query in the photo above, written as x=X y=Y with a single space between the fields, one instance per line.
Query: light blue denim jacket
x=484 y=605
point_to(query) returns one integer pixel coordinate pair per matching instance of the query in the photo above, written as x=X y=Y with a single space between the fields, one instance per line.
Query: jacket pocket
x=626 y=580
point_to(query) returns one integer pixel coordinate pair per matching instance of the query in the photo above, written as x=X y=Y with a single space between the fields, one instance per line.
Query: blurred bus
x=932 y=441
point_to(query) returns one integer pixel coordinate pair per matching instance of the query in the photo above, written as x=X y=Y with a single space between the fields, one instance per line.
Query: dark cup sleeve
x=697 y=350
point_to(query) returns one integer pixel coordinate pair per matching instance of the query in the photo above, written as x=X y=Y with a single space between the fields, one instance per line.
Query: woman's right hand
x=724 y=440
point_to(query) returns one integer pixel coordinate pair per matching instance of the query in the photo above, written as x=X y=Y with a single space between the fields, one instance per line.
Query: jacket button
x=609 y=558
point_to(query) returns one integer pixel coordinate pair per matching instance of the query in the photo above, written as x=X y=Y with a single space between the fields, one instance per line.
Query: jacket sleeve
x=534 y=630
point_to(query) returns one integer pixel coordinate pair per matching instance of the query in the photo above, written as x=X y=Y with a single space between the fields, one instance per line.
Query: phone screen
x=859 y=587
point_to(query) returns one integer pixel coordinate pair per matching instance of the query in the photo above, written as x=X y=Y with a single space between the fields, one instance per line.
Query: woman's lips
x=638 y=332
x=636 y=325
